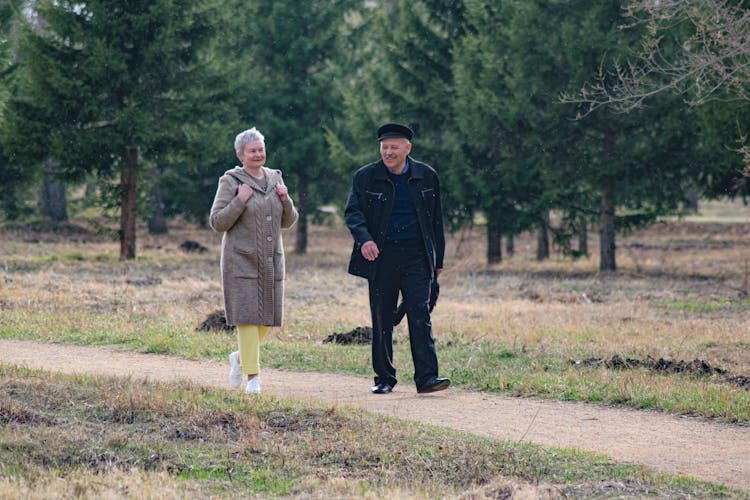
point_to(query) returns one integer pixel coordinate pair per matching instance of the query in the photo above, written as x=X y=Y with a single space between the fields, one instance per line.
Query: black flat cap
x=394 y=130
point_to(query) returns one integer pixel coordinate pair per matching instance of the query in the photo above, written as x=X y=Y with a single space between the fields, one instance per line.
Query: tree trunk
x=11 y=205
x=510 y=245
x=157 y=223
x=542 y=238
x=300 y=246
x=90 y=192
x=607 y=227
x=607 y=213
x=583 y=238
x=128 y=181
x=692 y=198
x=54 y=204
x=494 y=244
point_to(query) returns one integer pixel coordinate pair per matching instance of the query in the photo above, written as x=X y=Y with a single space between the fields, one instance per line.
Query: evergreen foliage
x=119 y=91
x=12 y=176
x=106 y=84
x=401 y=72
x=282 y=52
x=517 y=60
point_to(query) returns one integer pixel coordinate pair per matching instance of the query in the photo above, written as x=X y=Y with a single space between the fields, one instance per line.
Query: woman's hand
x=282 y=191
x=245 y=192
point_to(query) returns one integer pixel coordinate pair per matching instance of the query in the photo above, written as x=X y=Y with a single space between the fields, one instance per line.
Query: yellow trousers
x=248 y=339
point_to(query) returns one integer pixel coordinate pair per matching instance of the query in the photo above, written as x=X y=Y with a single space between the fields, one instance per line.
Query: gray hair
x=249 y=135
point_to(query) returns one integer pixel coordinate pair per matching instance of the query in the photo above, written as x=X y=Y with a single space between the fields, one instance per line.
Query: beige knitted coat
x=252 y=251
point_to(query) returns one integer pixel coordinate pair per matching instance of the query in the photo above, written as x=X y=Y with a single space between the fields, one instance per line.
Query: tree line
x=547 y=116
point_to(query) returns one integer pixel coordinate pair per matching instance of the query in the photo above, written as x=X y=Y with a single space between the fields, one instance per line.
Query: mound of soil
x=616 y=362
x=739 y=380
x=360 y=335
x=696 y=367
x=192 y=246
x=147 y=281
x=216 y=322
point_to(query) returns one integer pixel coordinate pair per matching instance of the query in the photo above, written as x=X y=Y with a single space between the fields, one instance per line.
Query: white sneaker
x=253 y=385
x=235 y=374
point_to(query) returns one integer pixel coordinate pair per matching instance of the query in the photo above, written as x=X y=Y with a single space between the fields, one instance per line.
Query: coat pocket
x=428 y=198
x=245 y=263
x=279 y=265
x=428 y=194
x=374 y=199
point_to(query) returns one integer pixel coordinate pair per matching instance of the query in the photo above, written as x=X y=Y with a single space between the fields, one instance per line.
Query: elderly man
x=395 y=216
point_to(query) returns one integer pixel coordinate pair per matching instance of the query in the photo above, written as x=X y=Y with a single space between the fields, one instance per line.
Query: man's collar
x=406 y=168
x=416 y=169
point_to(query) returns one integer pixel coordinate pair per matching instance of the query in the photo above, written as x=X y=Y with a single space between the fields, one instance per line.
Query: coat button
x=268 y=217
x=269 y=238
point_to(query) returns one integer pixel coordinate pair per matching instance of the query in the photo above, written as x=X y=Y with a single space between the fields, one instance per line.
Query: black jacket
x=369 y=206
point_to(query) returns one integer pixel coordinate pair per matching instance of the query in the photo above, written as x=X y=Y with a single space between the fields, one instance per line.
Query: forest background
x=555 y=117
x=548 y=121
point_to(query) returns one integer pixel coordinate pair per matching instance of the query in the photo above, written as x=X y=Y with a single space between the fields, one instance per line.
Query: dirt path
x=675 y=445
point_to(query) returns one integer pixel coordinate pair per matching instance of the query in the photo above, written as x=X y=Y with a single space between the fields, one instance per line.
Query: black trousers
x=406 y=271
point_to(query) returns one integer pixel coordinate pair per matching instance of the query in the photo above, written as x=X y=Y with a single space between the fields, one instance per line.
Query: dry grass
x=680 y=293
x=662 y=302
x=81 y=437
x=114 y=484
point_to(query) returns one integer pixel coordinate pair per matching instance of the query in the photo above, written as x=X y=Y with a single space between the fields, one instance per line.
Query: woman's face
x=253 y=155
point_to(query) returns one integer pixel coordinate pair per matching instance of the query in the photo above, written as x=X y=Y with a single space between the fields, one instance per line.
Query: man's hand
x=282 y=191
x=370 y=250
x=245 y=192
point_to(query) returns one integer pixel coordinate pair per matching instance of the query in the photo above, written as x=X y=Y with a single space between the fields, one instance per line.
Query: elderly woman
x=251 y=207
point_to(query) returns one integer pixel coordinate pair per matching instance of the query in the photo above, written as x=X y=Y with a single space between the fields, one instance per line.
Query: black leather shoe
x=381 y=388
x=434 y=384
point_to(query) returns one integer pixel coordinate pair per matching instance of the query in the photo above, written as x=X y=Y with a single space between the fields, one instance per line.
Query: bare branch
x=711 y=62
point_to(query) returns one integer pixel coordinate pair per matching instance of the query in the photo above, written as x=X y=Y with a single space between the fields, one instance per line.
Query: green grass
x=127 y=331
x=698 y=306
x=222 y=443
x=511 y=329
x=474 y=365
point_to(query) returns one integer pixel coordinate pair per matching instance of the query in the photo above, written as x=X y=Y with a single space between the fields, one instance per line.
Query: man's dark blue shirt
x=403 y=227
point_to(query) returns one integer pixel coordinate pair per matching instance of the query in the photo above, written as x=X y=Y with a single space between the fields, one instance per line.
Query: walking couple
x=394 y=214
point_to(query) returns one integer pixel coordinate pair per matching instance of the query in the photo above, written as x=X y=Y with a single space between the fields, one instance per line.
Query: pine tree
x=106 y=84
x=283 y=50
x=511 y=69
x=13 y=177
x=402 y=72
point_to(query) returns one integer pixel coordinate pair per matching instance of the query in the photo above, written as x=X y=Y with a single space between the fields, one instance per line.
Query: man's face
x=394 y=150
x=253 y=155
